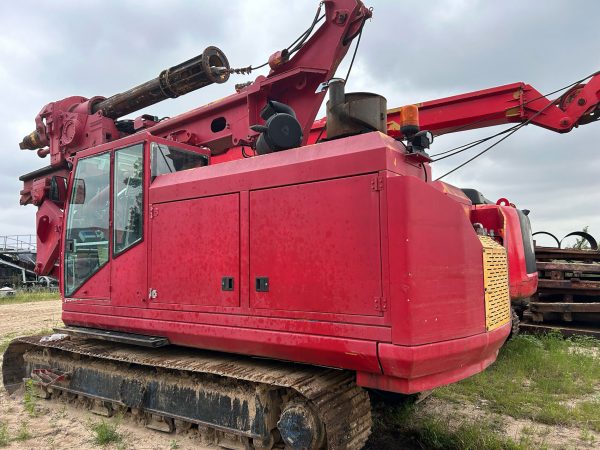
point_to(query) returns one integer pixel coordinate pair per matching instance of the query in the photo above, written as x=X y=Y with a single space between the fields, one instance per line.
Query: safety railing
x=18 y=243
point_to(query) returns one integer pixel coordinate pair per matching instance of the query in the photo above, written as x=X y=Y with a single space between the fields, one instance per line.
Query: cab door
x=86 y=268
x=129 y=268
x=105 y=248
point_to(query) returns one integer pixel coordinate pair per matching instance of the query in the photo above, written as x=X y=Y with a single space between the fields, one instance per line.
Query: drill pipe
x=207 y=68
x=211 y=66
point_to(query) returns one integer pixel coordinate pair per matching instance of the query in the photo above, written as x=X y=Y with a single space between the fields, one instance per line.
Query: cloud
x=411 y=51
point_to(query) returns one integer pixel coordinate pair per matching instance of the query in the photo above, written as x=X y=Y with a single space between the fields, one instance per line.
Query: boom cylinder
x=211 y=66
x=207 y=68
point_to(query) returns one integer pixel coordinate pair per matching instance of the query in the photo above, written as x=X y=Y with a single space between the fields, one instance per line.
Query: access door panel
x=195 y=245
x=317 y=247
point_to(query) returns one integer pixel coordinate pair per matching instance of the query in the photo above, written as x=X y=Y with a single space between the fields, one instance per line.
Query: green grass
x=438 y=434
x=29 y=296
x=4 y=435
x=400 y=426
x=547 y=379
x=105 y=433
x=23 y=434
x=30 y=400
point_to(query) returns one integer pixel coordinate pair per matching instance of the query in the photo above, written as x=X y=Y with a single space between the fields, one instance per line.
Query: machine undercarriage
x=232 y=401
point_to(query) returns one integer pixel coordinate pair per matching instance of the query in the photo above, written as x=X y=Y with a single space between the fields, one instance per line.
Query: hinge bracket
x=377 y=183
x=153 y=212
x=380 y=304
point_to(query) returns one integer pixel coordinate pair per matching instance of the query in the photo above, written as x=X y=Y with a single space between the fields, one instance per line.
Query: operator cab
x=106 y=214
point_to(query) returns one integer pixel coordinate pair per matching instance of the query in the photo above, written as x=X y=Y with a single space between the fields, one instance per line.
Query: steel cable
x=509 y=131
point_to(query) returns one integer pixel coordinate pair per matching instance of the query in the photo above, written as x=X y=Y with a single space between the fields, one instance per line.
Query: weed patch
x=4 y=435
x=23 y=434
x=30 y=400
x=105 y=433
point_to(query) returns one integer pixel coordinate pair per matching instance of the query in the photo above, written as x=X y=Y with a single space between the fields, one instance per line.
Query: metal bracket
x=380 y=304
x=325 y=84
x=377 y=183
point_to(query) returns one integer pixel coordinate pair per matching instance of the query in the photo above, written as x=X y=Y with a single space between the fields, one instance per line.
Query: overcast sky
x=411 y=51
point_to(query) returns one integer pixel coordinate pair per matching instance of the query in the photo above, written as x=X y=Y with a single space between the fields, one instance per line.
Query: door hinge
x=153 y=212
x=377 y=183
x=380 y=304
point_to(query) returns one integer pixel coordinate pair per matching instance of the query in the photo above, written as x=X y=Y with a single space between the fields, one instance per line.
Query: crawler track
x=233 y=401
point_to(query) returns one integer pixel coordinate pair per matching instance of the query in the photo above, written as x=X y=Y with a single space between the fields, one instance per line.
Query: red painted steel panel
x=195 y=243
x=436 y=265
x=302 y=315
x=319 y=245
x=129 y=278
x=321 y=350
x=421 y=360
x=385 y=249
x=97 y=287
x=304 y=326
x=418 y=368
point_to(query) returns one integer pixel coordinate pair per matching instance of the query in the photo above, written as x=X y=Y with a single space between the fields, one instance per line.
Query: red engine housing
x=370 y=267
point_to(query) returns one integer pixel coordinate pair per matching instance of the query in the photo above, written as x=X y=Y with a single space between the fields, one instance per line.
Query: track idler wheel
x=300 y=427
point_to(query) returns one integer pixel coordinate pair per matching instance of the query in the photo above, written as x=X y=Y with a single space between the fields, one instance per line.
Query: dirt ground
x=56 y=425
x=24 y=318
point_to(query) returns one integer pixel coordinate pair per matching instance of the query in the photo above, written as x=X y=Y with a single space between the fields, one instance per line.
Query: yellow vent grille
x=495 y=282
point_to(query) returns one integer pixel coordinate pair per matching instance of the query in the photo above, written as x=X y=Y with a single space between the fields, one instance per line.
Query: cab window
x=128 y=201
x=169 y=159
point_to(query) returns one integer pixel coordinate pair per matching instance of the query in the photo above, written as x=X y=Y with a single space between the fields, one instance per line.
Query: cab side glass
x=128 y=201
x=170 y=159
